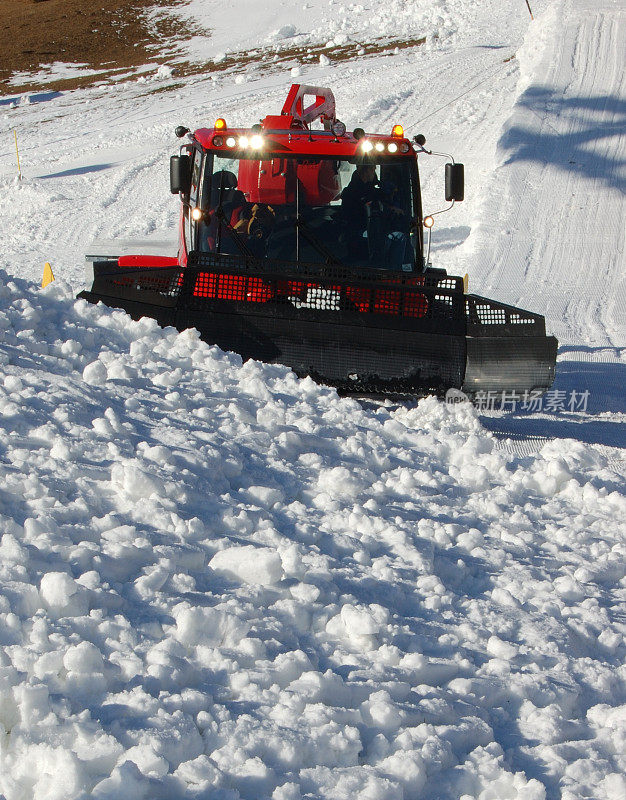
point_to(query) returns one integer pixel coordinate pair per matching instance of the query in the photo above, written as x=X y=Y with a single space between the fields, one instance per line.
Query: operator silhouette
x=355 y=200
x=228 y=209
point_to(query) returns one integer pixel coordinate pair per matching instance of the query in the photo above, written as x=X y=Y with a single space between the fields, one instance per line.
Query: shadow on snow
x=605 y=383
x=602 y=118
x=37 y=97
x=76 y=171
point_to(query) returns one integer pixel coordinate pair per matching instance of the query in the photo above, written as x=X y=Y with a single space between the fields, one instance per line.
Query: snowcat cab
x=302 y=244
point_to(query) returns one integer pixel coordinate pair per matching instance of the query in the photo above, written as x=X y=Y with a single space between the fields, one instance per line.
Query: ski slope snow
x=219 y=581
x=555 y=241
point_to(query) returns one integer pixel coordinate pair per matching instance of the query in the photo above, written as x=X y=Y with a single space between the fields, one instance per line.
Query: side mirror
x=455 y=182
x=180 y=174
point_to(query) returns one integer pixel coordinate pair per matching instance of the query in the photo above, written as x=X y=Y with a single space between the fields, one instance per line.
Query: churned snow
x=219 y=581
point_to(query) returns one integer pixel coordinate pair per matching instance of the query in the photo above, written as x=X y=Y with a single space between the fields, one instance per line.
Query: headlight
x=392 y=147
x=243 y=142
x=379 y=147
x=256 y=142
x=367 y=146
x=231 y=141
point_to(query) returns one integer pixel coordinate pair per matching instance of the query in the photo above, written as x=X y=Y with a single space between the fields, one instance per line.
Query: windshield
x=314 y=210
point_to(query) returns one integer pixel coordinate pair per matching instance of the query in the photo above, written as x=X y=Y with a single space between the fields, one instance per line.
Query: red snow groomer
x=302 y=244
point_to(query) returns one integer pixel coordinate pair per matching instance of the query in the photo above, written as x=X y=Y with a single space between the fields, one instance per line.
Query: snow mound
x=218 y=580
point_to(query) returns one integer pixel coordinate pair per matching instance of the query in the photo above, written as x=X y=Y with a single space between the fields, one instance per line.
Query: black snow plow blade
x=383 y=333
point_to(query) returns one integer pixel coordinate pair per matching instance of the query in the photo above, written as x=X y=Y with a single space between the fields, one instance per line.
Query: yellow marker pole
x=17 y=153
x=48 y=277
x=465 y=282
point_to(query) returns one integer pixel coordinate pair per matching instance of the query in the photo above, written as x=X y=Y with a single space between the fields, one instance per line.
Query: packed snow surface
x=220 y=582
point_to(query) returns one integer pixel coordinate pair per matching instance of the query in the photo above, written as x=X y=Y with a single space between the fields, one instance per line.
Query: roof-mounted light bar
x=367 y=146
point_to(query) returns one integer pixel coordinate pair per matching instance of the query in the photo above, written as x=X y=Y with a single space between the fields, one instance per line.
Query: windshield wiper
x=221 y=220
x=331 y=259
x=241 y=245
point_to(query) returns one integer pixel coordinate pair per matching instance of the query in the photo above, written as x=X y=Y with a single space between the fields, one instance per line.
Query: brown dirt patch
x=115 y=37
x=106 y=35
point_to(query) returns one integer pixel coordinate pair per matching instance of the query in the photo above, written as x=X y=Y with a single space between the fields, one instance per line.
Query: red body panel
x=274 y=182
x=147 y=261
x=271 y=182
x=297 y=142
